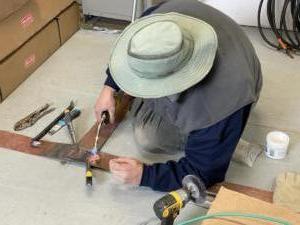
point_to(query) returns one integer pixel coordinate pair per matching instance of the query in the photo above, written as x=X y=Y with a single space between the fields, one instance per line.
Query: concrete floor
x=36 y=190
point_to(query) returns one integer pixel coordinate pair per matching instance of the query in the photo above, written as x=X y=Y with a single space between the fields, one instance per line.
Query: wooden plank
x=264 y=195
x=232 y=201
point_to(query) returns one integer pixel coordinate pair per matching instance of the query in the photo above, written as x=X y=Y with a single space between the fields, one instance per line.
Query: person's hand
x=93 y=159
x=127 y=170
x=106 y=102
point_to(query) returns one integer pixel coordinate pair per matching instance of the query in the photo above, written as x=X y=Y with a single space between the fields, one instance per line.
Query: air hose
x=286 y=39
x=235 y=214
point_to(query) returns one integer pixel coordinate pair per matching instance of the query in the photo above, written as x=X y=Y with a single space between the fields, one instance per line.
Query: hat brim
x=196 y=68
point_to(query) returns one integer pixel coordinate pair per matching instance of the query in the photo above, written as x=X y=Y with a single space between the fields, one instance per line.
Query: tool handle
x=104 y=120
x=75 y=113
x=47 y=129
x=105 y=117
x=42 y=114
x=89 y=181
x=168 y=221
x=71 y=115
x=88 y=174
x=62 y=123
x=57 y=127
x=72 y=132
x=52 y=124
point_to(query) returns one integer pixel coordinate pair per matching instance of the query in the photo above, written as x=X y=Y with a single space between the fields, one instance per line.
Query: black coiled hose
x=287 y=39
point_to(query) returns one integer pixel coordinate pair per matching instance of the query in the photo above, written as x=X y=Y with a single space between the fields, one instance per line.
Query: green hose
x=235 y=214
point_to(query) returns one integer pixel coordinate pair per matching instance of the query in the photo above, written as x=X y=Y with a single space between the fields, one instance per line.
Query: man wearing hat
x=195 y=76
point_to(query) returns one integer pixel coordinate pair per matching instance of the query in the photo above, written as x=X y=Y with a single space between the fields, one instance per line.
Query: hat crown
x=159 y=49
x=150 y=74
x=157 y=40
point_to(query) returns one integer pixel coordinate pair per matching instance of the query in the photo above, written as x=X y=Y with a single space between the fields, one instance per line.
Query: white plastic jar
x=277 y=145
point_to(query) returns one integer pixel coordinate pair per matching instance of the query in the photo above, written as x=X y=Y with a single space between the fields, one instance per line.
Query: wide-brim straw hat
x=163 y=54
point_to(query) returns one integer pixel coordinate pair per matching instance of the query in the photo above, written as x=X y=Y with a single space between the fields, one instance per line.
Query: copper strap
x=60 y=151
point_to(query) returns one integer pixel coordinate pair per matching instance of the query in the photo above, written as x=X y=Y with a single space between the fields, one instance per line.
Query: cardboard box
x=68 y=22
x=16 y=29
x=18 y=66
x=7 y=7
x=230 y=201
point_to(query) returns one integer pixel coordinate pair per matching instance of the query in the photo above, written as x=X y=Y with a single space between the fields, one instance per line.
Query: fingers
x=97 y=115
x=111 y=115
x=98 y=110
x=105 y=102
x=120 y=164
x=119 y=171
x=122 y=178
x=124 y=162
x=111 y=112
x=127 y=170
x=93 y=159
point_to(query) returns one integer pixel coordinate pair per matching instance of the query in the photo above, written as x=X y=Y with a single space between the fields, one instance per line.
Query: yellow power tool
x=168 y=207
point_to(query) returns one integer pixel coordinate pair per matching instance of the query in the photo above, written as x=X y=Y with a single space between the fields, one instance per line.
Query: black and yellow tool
x=168 y=207
x=94 y=151
x=88 y=173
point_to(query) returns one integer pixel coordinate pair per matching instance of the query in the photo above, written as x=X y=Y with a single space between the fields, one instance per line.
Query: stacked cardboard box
x=68 y=22
x=29 y=35
x=9 y=7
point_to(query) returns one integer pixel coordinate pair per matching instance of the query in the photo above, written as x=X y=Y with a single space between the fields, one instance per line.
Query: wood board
x=232 y=201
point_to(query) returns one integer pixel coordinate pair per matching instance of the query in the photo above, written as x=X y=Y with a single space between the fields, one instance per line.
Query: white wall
x=242 y=11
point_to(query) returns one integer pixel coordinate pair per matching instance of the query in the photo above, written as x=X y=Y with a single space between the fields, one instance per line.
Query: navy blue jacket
x=207 y=153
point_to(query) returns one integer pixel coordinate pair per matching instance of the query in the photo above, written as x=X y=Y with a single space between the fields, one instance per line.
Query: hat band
x=161 y=67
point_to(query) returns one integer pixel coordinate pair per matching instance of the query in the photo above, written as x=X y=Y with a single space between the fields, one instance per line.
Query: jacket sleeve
x=110 y=81
x=207 y=155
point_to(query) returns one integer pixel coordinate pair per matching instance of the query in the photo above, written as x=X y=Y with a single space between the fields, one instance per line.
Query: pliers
x=32 y=118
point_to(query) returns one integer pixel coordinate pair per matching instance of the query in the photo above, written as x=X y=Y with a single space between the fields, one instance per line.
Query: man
x=195 y=76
